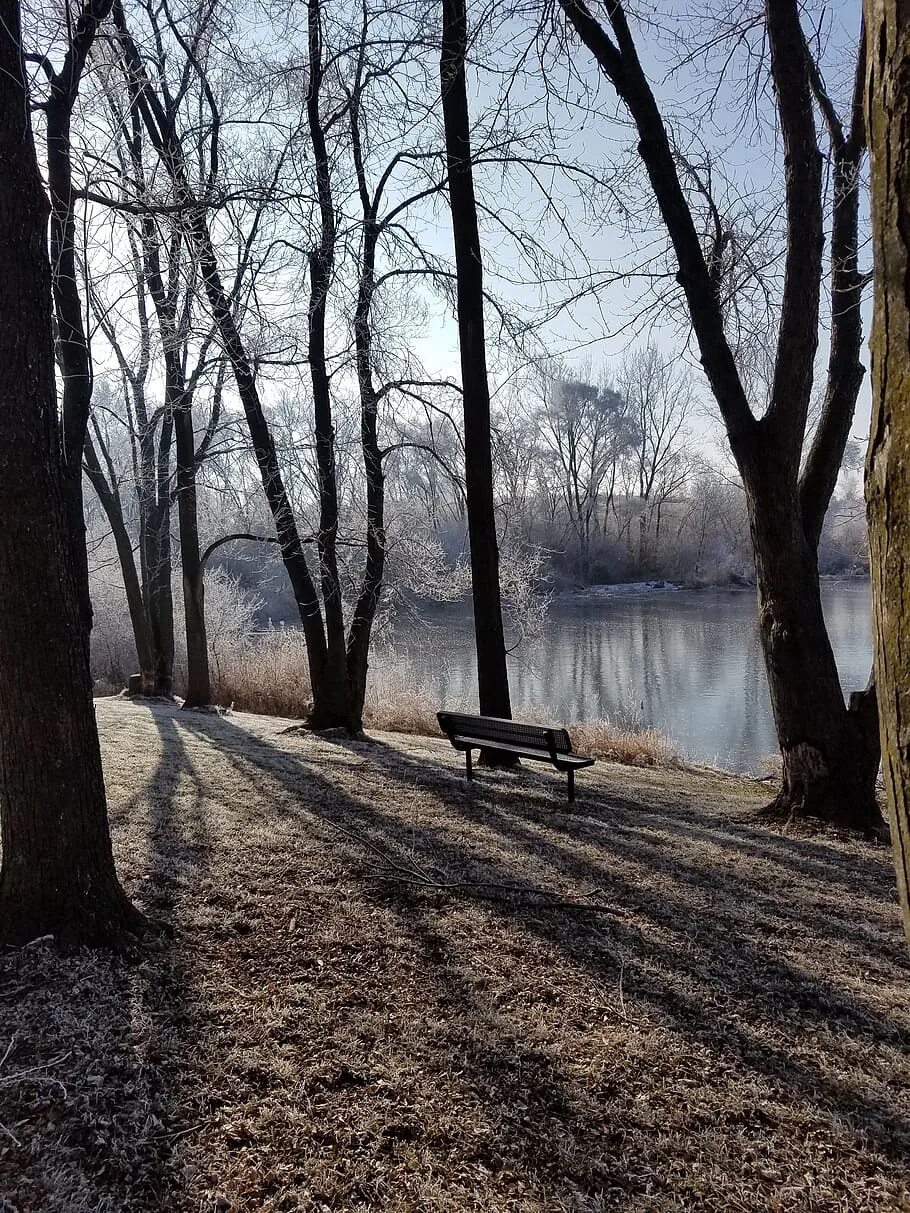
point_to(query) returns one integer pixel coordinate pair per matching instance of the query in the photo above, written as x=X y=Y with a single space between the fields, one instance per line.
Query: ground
x=389 y=989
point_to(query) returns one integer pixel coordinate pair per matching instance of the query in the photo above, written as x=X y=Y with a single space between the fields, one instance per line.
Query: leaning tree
x=58 y=875
x=830 y=750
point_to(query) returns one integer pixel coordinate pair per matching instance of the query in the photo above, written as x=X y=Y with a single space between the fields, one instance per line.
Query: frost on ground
x=389 y=989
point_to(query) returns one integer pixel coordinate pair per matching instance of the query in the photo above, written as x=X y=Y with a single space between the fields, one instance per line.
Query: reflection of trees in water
x=848 y=615
x=688 y=664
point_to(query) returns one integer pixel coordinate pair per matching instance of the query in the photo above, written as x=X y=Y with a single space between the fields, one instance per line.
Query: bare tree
x=658 y=396
x=830 y=752
x=588 y=431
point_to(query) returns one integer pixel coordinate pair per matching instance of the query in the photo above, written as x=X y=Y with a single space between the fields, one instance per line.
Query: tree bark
x=198 y=679
x=58 y=874
x=829 y=752
x=492 y=674
x=888 y=461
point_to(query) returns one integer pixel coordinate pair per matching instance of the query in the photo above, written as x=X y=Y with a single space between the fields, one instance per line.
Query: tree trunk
x=888 y=462
x=198 y=680
x=179 y=405
x=358 y=651
x=360 y=631
x=159 y=565
x=492 y=674
x=72 y=344
x=829 y=752
x=58 y=873
x=113 y=509
x=325 y=692
x=321 y=260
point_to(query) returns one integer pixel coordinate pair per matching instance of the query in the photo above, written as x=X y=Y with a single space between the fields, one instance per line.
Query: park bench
x=532 y=741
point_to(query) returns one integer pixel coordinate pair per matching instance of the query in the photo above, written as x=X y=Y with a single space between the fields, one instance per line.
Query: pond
x=687 y=663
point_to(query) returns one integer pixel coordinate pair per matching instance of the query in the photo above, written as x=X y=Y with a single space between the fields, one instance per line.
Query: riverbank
x=389 y=989
x=734 y=584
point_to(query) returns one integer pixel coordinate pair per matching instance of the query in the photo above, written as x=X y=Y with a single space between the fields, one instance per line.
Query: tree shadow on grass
x=694 y=963
x=94 y=1032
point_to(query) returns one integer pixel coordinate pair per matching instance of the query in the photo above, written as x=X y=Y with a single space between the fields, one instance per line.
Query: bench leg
x=469 y=770
x=571 y=779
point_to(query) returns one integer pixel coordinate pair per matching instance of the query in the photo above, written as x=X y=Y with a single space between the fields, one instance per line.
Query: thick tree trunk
x=829 y=752
x=58 y=873
x=492 y=674
x=888 y=463
x=827 y=773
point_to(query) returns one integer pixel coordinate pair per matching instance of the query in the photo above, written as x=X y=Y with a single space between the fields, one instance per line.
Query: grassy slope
x=728 y=1028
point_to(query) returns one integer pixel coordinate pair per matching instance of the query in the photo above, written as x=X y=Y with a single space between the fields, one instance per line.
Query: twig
x=11 y=1135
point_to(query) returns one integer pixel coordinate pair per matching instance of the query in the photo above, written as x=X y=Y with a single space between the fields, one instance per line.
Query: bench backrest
x=495 y=728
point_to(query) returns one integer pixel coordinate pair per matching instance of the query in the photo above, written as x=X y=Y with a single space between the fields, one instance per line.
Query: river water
x=686 y=663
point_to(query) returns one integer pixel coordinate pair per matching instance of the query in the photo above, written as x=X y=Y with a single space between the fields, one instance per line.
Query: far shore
x=634 y=589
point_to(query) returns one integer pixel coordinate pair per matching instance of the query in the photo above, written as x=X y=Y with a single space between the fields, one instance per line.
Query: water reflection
x=687 y=663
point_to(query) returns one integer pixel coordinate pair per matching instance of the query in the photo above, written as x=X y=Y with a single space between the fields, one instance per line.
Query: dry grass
x=631 y=747
x=267 y=676
x=391 y=990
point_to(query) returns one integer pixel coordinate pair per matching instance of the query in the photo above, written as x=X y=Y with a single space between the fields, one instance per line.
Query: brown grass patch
x=391 y=990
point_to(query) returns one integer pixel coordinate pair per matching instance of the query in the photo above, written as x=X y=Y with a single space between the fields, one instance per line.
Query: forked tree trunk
x=364 y=614
x=492 y=674
x=829 y=751
x=58 y=874
x=888 y=463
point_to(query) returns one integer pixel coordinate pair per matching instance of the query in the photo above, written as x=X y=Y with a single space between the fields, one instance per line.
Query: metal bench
x=532 y=741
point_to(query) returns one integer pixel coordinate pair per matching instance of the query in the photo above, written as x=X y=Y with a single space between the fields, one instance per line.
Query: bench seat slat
x=543 y=754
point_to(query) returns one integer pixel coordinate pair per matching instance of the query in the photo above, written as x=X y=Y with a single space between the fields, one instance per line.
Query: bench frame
x=540 y=743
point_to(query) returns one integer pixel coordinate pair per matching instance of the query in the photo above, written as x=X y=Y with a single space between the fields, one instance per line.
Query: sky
x=611 y=225
x=596 y=332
